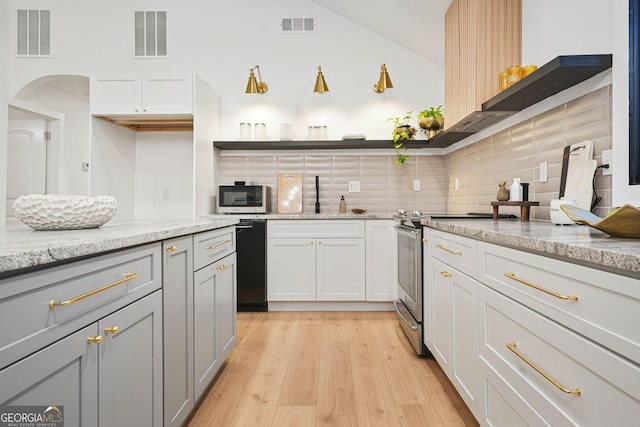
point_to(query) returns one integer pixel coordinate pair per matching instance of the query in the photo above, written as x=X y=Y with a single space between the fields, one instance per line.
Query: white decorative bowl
x=59 y=212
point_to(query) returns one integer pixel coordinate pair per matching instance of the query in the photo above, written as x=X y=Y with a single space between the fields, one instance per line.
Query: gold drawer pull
x=130 y=276
x=221 y=267
x=445 y=273
x=219 y=244
x=439 y=246
x=534 y=286
x=424 y=240
x=171 y=249
x=97 y=339
x=114 y=330
x=512 y=346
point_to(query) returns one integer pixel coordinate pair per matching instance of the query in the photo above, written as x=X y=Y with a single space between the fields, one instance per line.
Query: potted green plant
x=402 y=131
x=431 y=119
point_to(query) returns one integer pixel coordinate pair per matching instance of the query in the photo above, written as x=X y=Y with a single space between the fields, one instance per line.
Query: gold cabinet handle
x=114 y=330
x=457 y=253
x=424 y=240
x=221 y=267
x=171 y=249
x=219 y=244
x=512 y=276
x=512 y=346
x=130 y=276
x=445 y=273
x=311 y=242
x=97 y=339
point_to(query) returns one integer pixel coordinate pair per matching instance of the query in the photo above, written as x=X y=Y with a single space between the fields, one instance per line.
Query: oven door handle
x=413 y=233
x=412 y=326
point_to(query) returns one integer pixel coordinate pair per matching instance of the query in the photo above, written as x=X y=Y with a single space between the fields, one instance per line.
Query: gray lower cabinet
x=177 y=282
x=108 y=373
x=214 y=316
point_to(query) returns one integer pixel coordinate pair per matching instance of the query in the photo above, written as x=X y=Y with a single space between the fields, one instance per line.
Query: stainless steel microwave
x=243 y=199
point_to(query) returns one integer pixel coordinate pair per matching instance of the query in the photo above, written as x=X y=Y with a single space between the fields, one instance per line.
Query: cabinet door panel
x=167 y=93
x=226 y=305
x=116 y=93
x=381 y=261
x=291 y=269
x=442 y=328
x=130 y=368
x=206 y=362
x=341 y=269
x=62 y=374
x=177 y=307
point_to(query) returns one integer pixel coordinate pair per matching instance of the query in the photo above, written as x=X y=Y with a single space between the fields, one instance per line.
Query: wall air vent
x=150 y=34
x=298 y=25
x=34 y=33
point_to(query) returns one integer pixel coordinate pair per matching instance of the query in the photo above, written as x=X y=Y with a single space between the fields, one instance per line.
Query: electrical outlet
x=416 y=185
x=354 y=186
x=85 y=166
x=607 y=160
x=544 y=172
x=457 y=184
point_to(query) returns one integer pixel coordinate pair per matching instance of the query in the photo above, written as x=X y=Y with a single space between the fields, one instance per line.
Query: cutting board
x=580 y=167
x=289 y=193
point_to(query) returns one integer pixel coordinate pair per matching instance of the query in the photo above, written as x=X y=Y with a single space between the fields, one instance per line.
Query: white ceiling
x=417 y=25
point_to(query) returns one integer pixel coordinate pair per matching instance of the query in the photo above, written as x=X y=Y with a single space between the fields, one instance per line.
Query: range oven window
x=407 y=264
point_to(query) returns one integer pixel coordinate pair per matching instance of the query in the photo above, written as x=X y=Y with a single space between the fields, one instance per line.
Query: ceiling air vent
x=150 y=33
x=298 y=25
x=34 y=33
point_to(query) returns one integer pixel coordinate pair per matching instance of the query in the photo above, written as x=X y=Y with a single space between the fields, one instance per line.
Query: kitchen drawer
x=607 y=383
x=315 y=228
x=213 y=245
x=457 y=251
x=88 y=289
x=607 y=308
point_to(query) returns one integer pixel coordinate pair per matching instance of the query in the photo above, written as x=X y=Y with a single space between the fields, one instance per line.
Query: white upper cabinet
x=133 y=94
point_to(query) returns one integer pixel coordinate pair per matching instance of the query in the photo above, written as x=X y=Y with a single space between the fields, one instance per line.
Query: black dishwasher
x=251 y=249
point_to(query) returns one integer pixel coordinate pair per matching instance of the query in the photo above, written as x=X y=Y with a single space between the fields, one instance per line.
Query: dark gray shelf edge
x=555 y=76
x=315 y=145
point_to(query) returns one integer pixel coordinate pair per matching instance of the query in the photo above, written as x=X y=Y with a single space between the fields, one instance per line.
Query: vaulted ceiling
x=417 y=25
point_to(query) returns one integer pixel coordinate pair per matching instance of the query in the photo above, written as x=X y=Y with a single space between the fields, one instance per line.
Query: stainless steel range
x=409 y=303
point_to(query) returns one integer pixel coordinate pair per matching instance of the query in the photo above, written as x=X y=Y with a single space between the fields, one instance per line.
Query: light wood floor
x=328 y=369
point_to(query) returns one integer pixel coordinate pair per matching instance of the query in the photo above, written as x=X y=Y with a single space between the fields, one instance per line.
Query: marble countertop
x=335 y=215
x=578 y=243
x=22 y=247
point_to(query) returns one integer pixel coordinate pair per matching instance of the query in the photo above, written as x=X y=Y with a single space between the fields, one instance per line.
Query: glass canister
x=260 y=132
x=504 y=80
x=527 y=69
x=513 y=74
x=245 y=131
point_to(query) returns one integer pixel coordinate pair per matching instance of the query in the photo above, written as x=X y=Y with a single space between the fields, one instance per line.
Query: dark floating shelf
x=316 y=145
x=557 y=75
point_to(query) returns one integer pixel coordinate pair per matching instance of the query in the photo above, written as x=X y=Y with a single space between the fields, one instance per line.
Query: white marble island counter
x=22 y=247
x=577 y=243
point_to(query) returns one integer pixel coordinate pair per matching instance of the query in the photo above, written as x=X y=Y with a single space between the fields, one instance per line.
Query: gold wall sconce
x=384 y=82
x=256 y=86
x=321 y=84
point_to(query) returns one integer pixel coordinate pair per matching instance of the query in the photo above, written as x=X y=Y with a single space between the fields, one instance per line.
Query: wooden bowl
x=358 y=210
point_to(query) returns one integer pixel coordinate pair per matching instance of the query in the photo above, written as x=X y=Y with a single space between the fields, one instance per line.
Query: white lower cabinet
x=108 y=373
x=454 y=337
x=315 y=260
x=533 y=341
x=381 y=260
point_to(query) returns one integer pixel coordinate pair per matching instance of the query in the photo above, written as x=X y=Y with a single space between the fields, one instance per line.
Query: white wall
x=221 y=40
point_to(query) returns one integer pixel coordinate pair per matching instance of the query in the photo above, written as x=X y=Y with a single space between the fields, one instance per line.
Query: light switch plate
x=354 y=186
x=544 y=172
x=416 y=185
